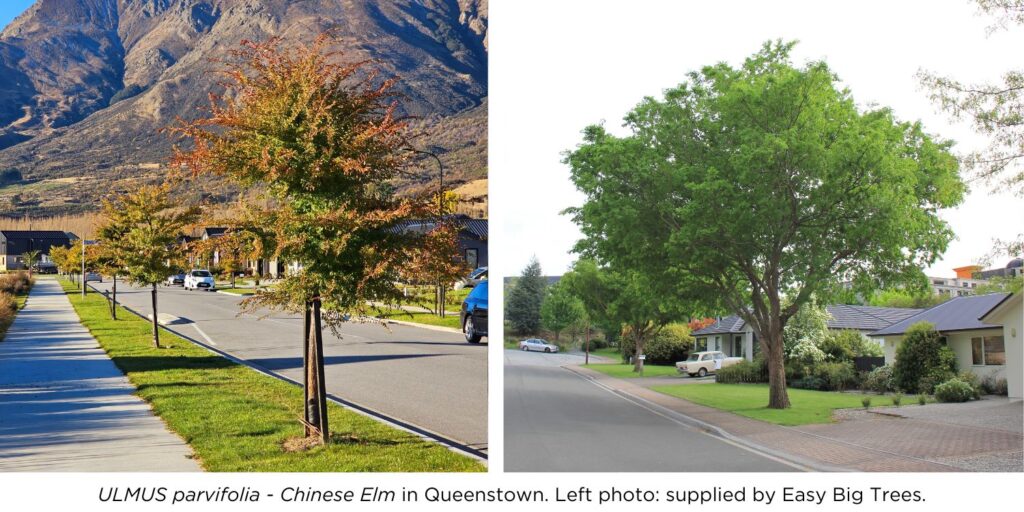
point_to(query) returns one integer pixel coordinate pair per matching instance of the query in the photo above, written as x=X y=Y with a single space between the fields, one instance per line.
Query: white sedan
x=199 y=280
x=537 y=345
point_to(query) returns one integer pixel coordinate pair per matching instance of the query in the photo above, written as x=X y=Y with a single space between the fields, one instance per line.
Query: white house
x=984 y=332
x=733 y=336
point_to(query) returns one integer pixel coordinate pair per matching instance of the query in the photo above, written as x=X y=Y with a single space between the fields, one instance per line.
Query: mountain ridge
x=85 y=85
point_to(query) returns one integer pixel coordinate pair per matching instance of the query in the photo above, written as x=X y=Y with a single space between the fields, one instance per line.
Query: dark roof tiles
x=956 y=314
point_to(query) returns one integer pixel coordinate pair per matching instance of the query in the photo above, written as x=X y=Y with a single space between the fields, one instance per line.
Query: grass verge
x=625 y=371
x=807 y=406
x=237 y=419
x=237 y=291
x=451 y=321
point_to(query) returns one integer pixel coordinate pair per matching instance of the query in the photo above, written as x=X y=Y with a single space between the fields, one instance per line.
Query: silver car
x=537 y=345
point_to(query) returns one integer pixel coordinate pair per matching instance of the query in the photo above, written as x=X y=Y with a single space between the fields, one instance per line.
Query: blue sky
x=10 y=9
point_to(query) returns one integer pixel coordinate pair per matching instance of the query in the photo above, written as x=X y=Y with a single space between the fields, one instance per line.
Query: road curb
x=422 y=326
x=714 y=430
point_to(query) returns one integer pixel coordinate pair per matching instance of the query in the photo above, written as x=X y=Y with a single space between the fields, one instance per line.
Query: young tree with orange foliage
x=314 y=143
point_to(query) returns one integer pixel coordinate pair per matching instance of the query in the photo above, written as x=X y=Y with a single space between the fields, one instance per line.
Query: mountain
x=86 y=85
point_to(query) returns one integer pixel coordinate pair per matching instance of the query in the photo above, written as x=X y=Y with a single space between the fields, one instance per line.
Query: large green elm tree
x=761 y=185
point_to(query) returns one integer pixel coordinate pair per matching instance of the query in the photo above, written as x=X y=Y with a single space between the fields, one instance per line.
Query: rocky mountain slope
x=85 y=85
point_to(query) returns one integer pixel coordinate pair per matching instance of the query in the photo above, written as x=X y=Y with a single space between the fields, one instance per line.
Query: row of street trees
x=752 y=189
x=313 y=144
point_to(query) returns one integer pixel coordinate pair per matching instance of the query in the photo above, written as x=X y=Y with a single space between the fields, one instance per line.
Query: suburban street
x=428 y=378
x=556 y=420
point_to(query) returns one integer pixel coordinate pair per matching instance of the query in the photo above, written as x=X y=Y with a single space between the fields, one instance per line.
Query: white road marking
x=203 y=334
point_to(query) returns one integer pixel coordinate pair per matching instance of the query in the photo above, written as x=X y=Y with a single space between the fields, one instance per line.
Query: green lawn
x=236 y=419
x=451 y=321
x=625 y=371
x=609 y=352
x=749 y=400
x=238 y=291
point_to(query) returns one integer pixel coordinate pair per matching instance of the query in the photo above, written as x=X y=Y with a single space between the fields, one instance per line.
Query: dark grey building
x=13 y=244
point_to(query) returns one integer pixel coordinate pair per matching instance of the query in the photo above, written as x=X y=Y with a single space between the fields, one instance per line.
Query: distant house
x=13 y=244
x=733 y=336
x=472 y=237
x=984 y=332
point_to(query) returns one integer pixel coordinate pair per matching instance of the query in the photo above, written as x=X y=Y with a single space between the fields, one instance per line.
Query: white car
x=197 y=279
x=176 y=279
x=537 y=345
x=700 y=364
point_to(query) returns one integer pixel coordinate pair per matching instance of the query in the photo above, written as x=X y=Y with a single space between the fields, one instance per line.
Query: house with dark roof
x=733 y=336
x=472 y=236
x=984 y=331
x=14 y=244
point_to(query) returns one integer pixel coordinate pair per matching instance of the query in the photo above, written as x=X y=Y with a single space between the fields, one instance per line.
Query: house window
x=472 y=258
x=988 y=351
x=737 y=347
x=718 y=343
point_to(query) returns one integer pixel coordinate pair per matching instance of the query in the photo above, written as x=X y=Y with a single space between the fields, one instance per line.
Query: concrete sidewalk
x=64 y=406
x=882 y=444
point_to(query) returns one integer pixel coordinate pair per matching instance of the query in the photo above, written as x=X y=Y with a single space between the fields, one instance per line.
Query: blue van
x=474 y=313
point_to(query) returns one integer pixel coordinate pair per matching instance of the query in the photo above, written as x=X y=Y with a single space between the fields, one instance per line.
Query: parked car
x=537 y=345
x=700 y=364
x=45 y=268
x=473 y=315
x=176 y=279
x=198 y=279
x=93 y=276
x=475 y=277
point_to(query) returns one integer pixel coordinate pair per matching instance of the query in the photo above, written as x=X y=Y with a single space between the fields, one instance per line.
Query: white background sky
x=558 y=66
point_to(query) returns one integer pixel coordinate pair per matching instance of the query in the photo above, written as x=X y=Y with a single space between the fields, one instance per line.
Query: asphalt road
x=431 y=379
x=557 y=421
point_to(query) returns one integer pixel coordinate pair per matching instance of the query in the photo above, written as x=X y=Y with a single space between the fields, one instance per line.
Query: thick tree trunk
x=315 y=392
x=156 y=326
x=638 y=361
x=778 y=397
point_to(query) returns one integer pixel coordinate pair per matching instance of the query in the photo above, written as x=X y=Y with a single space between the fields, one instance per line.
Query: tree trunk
x=638 y=362
x=586 y=359
x=315 y=391
x=156 y=327
x=113 y=304
x=778 y=397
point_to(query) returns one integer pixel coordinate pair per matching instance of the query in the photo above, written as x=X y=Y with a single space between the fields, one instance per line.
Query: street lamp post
x=440 y=209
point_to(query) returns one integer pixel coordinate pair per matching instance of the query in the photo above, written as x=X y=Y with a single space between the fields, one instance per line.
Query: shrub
x=1000 y=388
x=993 y=386
x=922 y=399
x=866 y=402
x=954 y=390
x=15 y=283
x=804 y=352
x=897 y=399
x=672 y=344
x=922 y=360
x=828 y=376
x=744 y=372
x=878 y=380
x=8 y=302
x=846 y=345
x=972 y=380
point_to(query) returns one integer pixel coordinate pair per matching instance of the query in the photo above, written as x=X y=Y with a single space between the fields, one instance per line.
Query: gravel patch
x=999 y=462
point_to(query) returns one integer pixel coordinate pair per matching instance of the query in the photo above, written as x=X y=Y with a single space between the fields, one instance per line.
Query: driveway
x=982 y=435
x=556 y=420
x=431 y=379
